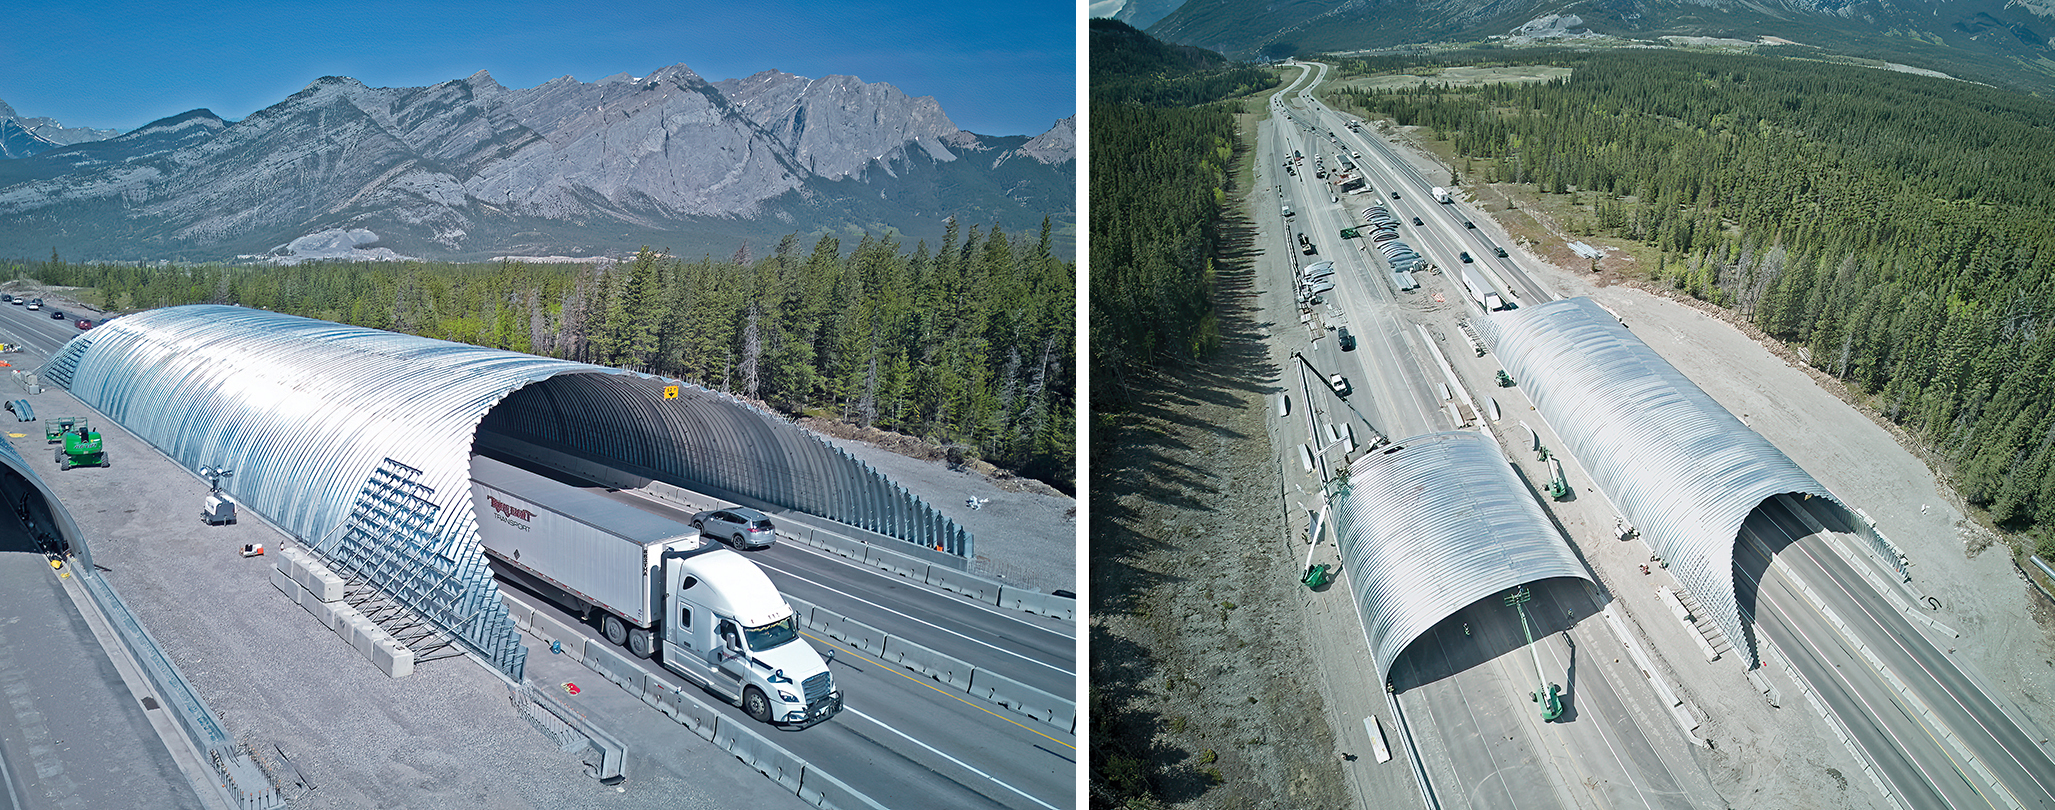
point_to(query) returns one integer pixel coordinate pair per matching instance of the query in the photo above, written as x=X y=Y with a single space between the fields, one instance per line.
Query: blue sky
x=1005 y=68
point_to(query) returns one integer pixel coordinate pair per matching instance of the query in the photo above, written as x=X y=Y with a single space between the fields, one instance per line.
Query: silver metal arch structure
x=1682 y=469
x=1435 y=523
x=348 y=437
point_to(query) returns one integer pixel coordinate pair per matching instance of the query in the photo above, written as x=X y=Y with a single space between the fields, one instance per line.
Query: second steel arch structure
x=1433 y=524
x=358 y=441
x=1683 y=469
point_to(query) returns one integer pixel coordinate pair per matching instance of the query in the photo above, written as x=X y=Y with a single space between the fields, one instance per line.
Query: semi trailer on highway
x=1484 y=294
x=655 y=587
x=1441 y=195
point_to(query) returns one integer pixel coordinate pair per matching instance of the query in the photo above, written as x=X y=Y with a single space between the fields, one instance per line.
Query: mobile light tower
x=1547 y=694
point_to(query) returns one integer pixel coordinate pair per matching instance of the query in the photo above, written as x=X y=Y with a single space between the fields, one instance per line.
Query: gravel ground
x=1024 y=531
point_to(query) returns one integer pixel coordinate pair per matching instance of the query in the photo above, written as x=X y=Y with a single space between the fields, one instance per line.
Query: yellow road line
x=895 y=670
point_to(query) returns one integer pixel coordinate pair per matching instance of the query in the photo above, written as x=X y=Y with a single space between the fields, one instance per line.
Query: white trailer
x=1441 y=195
x=1484 y=294
x=634 y=571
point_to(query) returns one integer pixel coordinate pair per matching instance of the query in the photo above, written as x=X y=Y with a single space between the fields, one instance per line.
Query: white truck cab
x=731 y=632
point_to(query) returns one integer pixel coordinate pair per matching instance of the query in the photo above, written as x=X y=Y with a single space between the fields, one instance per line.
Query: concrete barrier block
x=324 y=584
x=696 y=715
x=1027 y=700
x=863 y=637
x=802 y=610
x=971 y=585
x=614 y=665
x=520 y=613
x=324 y=612
x=548 y=629
x=818 y=788
x=292 y=561
x=927 y=662
x=1037 y=602
x=897 y=563
x=839 y=545
x=360 y=634
x=285 y=584
x=760 y=753
x=393 y=658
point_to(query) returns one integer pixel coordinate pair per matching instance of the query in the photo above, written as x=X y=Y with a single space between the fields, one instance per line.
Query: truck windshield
x=773 y=635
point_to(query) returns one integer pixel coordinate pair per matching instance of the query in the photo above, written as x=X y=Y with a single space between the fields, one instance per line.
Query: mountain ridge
x=468 y=167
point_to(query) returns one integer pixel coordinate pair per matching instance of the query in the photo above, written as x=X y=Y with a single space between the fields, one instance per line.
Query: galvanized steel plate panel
x=1433 y=524
x=1681 y=468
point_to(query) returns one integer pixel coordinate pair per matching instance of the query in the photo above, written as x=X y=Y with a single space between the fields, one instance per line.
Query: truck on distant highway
x=1441 y=195
x=653 y=586
x=1484 y=294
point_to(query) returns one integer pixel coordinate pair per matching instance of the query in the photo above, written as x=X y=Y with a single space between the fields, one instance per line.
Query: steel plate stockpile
x=1683 y=469
x=1433 y=524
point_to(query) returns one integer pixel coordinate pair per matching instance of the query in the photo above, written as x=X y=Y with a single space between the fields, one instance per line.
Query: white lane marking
x=995 y=780
x=832 y=589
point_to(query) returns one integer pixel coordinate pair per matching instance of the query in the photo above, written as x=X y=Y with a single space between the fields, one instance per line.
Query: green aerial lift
x=82 y=449
x=1549 y=695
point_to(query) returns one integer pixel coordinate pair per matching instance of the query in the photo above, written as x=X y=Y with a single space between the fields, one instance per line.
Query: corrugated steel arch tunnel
x=1433 y=524
x=1680 y=467
x=355 y=440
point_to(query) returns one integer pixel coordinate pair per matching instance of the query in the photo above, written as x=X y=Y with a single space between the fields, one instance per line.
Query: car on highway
x=1499 y=250
x=56 y=314
x=1347 y=341
x=84 y=324
x=35 y=305
x=1394 y=195
x=739 y=526
x=1416 y=221
x=6 y=299
x=1469 y=224
x=1466 y=258
x=1340 y=384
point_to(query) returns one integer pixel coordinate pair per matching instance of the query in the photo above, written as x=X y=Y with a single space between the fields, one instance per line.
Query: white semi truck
x=655 y=587
x=1441 y=195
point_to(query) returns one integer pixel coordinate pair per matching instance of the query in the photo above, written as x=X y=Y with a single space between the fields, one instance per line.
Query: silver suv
x=740 y=526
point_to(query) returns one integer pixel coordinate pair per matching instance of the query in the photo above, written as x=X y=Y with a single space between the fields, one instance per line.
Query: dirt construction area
x=1241 y=688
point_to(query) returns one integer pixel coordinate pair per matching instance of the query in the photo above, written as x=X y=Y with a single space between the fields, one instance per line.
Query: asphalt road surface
x=71 y=733
x=1938 y=739
x=906 y=740
x=1466 y=697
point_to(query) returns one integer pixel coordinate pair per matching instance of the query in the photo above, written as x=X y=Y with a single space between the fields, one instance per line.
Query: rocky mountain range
x=2002 y=42
x=21 y=137
x=469 y=169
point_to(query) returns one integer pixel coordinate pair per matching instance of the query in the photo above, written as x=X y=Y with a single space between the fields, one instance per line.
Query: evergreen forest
x=1159 y=181
x=970 y=343
x=1893 y=228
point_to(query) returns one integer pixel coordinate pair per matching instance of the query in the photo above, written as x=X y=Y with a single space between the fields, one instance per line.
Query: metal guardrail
x=244 y=780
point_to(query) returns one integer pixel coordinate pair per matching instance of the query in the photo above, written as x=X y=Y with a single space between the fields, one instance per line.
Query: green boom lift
x=81 y=448
x=1549 y=695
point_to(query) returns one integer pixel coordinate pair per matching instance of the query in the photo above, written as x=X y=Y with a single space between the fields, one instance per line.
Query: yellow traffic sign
x=670 y=392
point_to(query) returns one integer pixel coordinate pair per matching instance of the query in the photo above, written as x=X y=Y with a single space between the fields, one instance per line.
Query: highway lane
x=1466 y=696
x=1036 y=650
x=907 y=741
x=71 y=732
x=2009 y=768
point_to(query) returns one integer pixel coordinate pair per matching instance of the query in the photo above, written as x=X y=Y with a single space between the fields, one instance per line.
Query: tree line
x=1159 y=182
x=969 y=342
x=1893 y=228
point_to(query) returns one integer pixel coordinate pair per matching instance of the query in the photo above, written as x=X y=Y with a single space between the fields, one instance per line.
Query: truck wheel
x=640 y=643
x=614 y=629
x=756 y=705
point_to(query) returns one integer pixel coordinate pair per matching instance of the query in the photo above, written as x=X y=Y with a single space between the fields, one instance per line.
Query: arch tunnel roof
x=1685 y=471
x=318 y=420
x=1434 y=524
